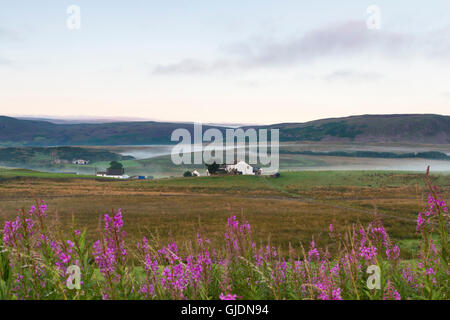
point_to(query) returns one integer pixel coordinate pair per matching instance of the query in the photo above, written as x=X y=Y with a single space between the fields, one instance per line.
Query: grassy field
x=291 y=209
x=7 y=173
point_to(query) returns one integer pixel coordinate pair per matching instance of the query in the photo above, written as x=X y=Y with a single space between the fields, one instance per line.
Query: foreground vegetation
x=302 y=204
x=36 y=258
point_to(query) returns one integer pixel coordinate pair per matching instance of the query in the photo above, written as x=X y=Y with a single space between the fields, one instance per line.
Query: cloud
x=195 y=67
x=187 y=66
x=352 y=75
x=345 y=39
x=4 y=62
x=9 y=35
x=436 y=44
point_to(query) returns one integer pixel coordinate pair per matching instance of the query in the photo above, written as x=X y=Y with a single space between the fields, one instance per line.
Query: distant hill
x=40 y=156
x=15 y=132
x=413 y=128
x=436 y=155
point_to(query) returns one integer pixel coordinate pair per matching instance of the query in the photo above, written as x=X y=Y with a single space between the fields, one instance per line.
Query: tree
x=115 y=165
x=212 y=168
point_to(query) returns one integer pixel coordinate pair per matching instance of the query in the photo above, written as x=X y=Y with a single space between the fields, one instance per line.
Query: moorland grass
x=290 y=209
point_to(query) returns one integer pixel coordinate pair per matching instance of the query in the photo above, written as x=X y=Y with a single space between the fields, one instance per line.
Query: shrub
x=187 y=174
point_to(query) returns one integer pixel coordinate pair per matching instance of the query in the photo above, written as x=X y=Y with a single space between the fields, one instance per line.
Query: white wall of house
x=115 y=177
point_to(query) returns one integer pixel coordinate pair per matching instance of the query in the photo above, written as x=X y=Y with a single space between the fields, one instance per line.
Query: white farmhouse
x=81 y=162
x=242 y=167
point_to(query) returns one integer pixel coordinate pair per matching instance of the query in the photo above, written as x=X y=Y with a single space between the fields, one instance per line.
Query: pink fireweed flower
x=201 y=241
x=63 y=253
x=10 y=232
x=32 y=210
x=170 y=253
x=40 y=211
x=336 y=294
x=335 y=270
x=42 y=239
x=147 y=290
x=433 y=247
x=173 y=248
x=245 y=228
x=65 y=258
x=238 y=237
x=368 y=253
x=434 y=205
x=420 y=221
x=174 y=277
x=115 y=222
x=114 y=236
x=109 y=252
x=198 y=268
x=233 y=223
x=228 y=296
x=327 y=292
x=390 y=293
x=104 y=258
x=259 y=260
x=379 y=233
x=313 y=253
x=150 y=264
x=393 y=253
x=409 y=276
x=279 y=272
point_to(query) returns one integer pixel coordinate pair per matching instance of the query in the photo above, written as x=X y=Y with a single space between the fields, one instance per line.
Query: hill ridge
x=402 y=128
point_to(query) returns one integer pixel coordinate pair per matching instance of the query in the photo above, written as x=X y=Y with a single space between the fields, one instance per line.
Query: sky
x=246 y=61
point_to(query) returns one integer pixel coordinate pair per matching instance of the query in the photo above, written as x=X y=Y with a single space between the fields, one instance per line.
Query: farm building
x=80 y=162
x=113 y=173
x=240 y=167
x=244 y=168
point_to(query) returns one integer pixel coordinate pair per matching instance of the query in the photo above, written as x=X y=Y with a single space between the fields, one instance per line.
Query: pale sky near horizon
x=253 y=61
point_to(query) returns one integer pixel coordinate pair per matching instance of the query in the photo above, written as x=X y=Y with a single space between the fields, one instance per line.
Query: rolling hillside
x=413 y=128
x=43 y=157
x=367 y=128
